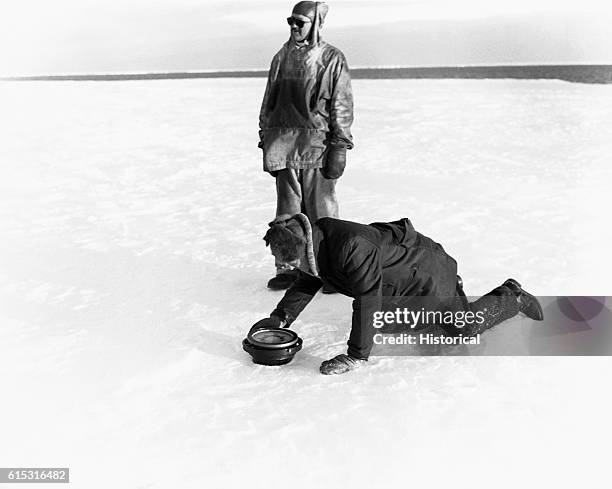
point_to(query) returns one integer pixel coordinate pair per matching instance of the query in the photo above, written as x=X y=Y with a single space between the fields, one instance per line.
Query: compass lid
x=272 y=338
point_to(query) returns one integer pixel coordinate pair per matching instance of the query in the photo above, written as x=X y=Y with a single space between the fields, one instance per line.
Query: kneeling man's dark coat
x=367 y=262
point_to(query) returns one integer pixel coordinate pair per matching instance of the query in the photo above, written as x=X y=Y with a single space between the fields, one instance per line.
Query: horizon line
x=257 y=70
x=513 y=70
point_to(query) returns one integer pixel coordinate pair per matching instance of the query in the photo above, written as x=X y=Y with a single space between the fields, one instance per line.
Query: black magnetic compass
x=272 y=346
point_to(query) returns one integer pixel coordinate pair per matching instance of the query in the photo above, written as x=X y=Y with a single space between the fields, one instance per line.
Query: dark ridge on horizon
x=571 y=73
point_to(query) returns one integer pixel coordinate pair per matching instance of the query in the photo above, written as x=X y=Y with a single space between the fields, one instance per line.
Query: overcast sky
x=101 y=36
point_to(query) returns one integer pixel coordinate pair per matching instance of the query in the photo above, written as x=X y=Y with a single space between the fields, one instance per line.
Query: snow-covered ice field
x=132 y=265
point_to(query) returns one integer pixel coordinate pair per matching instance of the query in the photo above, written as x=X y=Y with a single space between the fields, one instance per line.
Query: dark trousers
x=496 y=306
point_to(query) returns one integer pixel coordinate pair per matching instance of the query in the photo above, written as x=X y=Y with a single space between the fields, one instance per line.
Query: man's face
x=299 y=34
x=294 y=263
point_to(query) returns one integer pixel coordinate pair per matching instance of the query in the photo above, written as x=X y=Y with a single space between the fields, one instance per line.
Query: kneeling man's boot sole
x=528 y=304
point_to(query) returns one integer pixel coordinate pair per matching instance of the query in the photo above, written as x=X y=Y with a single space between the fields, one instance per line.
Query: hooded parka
x=308 y=104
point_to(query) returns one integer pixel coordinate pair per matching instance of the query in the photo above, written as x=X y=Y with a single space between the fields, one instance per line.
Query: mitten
x=271 y=322
x=334 y=163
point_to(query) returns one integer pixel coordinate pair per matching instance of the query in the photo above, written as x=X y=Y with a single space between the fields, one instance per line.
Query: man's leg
x=503 y=302
x=319 y=200
x=318 y=195
x=288 y=201
x=495 y=307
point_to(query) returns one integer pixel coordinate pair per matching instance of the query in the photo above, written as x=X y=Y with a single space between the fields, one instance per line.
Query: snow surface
x=132 y=265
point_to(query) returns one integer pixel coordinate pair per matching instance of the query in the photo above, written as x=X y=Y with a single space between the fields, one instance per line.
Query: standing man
x=305 y=123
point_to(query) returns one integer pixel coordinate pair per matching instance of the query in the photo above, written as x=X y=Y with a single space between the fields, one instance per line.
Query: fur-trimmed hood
x=298 y=227
x=310 y=246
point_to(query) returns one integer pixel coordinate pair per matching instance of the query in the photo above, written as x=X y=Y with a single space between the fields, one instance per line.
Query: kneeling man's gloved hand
x=341 y=364
x=271 y=322
x=334 y=163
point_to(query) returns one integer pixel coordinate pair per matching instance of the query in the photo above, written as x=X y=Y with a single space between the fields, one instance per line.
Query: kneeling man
x=367 y=262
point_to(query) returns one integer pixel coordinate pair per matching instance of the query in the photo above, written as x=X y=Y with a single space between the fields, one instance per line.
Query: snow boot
x=341 y=364
x=528 y=304
x=283 y=280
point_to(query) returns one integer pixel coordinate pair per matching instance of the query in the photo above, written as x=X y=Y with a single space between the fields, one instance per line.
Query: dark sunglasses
x=298 y=22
